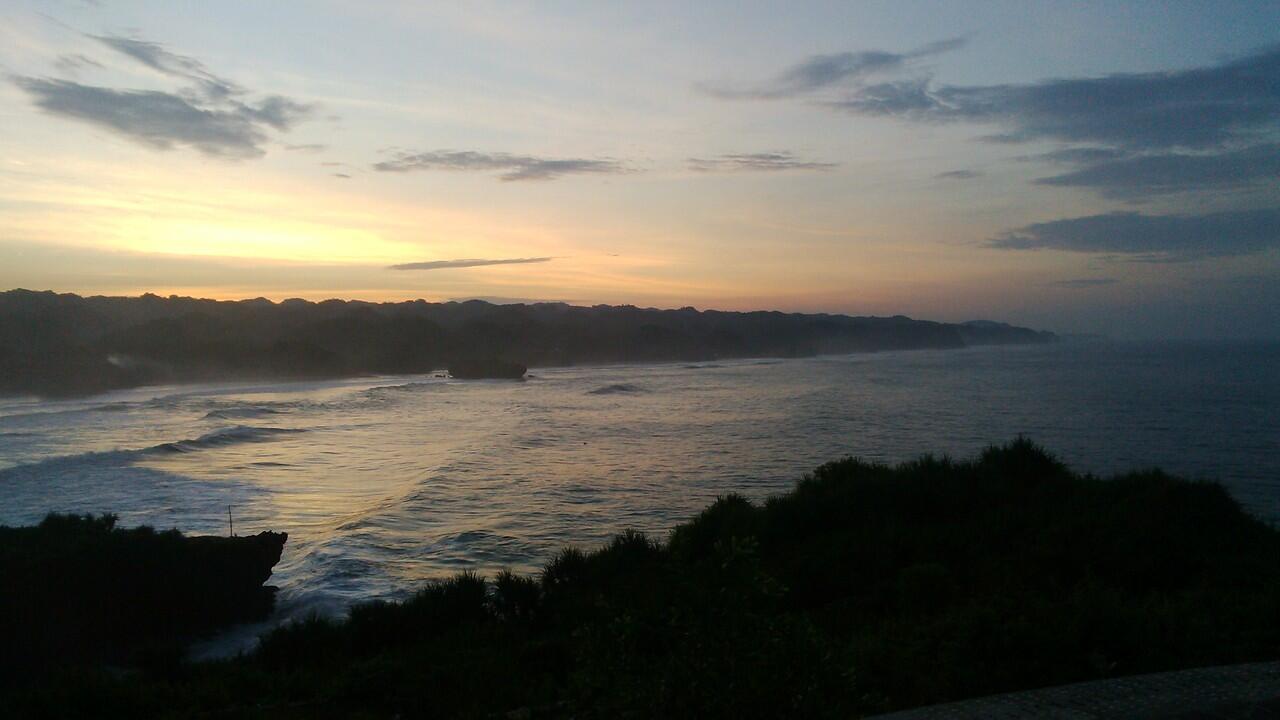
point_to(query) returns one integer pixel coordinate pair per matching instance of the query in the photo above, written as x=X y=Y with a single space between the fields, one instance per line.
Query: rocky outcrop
x=486 y=368
x=234 y=571
x=77 y=589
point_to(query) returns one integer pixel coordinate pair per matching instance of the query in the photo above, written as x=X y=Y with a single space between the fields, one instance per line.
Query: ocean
x=385 y=482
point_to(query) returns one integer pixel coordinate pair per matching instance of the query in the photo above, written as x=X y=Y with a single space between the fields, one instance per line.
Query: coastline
x=257 y=384
x=867 y=588
x=149 y=339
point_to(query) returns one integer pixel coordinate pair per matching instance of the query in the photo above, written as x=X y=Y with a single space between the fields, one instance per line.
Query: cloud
x=276 y=111
x=1074 y=155
x=344 y=176
x=756 y=162
x=823 y=71
x=212 y=115
x=1128 y=136
x=448 y=264
x=1199 y=108
x=1081 y=283
x=958 y=175
x=513 y=167
x=307 y=148
x=72 y=64
x=907 y=98
x=1153 y=238
x=156 y=57
x=156 y=119
x=1138 y=176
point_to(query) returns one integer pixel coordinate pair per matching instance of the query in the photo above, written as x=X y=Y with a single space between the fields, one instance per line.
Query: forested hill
x=64 y=344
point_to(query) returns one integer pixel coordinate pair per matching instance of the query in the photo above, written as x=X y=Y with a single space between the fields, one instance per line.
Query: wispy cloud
x=212 y=115
x=512 y=167
x=1152 y=238
x=1201 y=107
x=958 y=175
x=756 y=162
x=1081 y=283
x=1129 y=136
x=467 y=263
x=155 y=56
x=74 y=63
x=1080 y=155
x=819 y=72
x=277 y=111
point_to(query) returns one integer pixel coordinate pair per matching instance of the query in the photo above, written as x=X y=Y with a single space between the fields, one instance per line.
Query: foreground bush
x=867 y=588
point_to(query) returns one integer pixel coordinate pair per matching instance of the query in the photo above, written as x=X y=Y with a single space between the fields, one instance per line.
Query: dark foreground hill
x=867 y=588
x=53 y=344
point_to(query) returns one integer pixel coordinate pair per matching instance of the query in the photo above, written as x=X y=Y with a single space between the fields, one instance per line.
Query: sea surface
x=385 y=482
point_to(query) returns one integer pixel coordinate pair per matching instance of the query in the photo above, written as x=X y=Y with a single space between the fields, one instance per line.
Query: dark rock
x=478 y=369
x=76 y=589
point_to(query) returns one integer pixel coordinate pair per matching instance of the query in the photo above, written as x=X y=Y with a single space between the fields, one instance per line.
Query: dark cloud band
x=1155 y=238
x=512 y=167
x=823 y=71
x=1198 y=108
x=1082 y=283
x=474 y=262
x=1145 y=175
x=756 y=162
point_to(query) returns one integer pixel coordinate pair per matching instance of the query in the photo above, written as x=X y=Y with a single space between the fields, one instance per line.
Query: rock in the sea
x=481 y=368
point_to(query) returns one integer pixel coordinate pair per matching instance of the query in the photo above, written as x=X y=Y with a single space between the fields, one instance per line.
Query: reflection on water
x=383 y=482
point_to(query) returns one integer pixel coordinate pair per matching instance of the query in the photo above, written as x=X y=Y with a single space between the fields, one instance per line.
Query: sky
x=1084 y=167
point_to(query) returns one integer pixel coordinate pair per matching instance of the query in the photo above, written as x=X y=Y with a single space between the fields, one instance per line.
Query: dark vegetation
x=77 y=590
x=53 y=344
x=867 y=588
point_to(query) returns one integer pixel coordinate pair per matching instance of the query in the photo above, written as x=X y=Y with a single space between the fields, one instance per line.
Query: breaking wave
x=616 y=389
x=113 y=458
x=222 y=438
x=238 y=413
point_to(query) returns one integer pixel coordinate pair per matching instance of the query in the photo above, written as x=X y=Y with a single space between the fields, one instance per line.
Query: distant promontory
x=63 y=344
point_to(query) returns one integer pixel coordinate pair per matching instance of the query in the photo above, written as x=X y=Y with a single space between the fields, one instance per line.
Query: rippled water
x=384 y=482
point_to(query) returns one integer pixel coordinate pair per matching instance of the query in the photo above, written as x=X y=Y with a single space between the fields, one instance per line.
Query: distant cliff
x=64 y=344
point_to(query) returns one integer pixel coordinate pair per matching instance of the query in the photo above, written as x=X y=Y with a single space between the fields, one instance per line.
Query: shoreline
x=252 y=383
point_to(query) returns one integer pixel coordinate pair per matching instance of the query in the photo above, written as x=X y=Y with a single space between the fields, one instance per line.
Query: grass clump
x=867 y=588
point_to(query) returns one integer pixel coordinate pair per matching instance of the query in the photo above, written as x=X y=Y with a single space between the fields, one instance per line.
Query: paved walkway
x=1233 y=692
